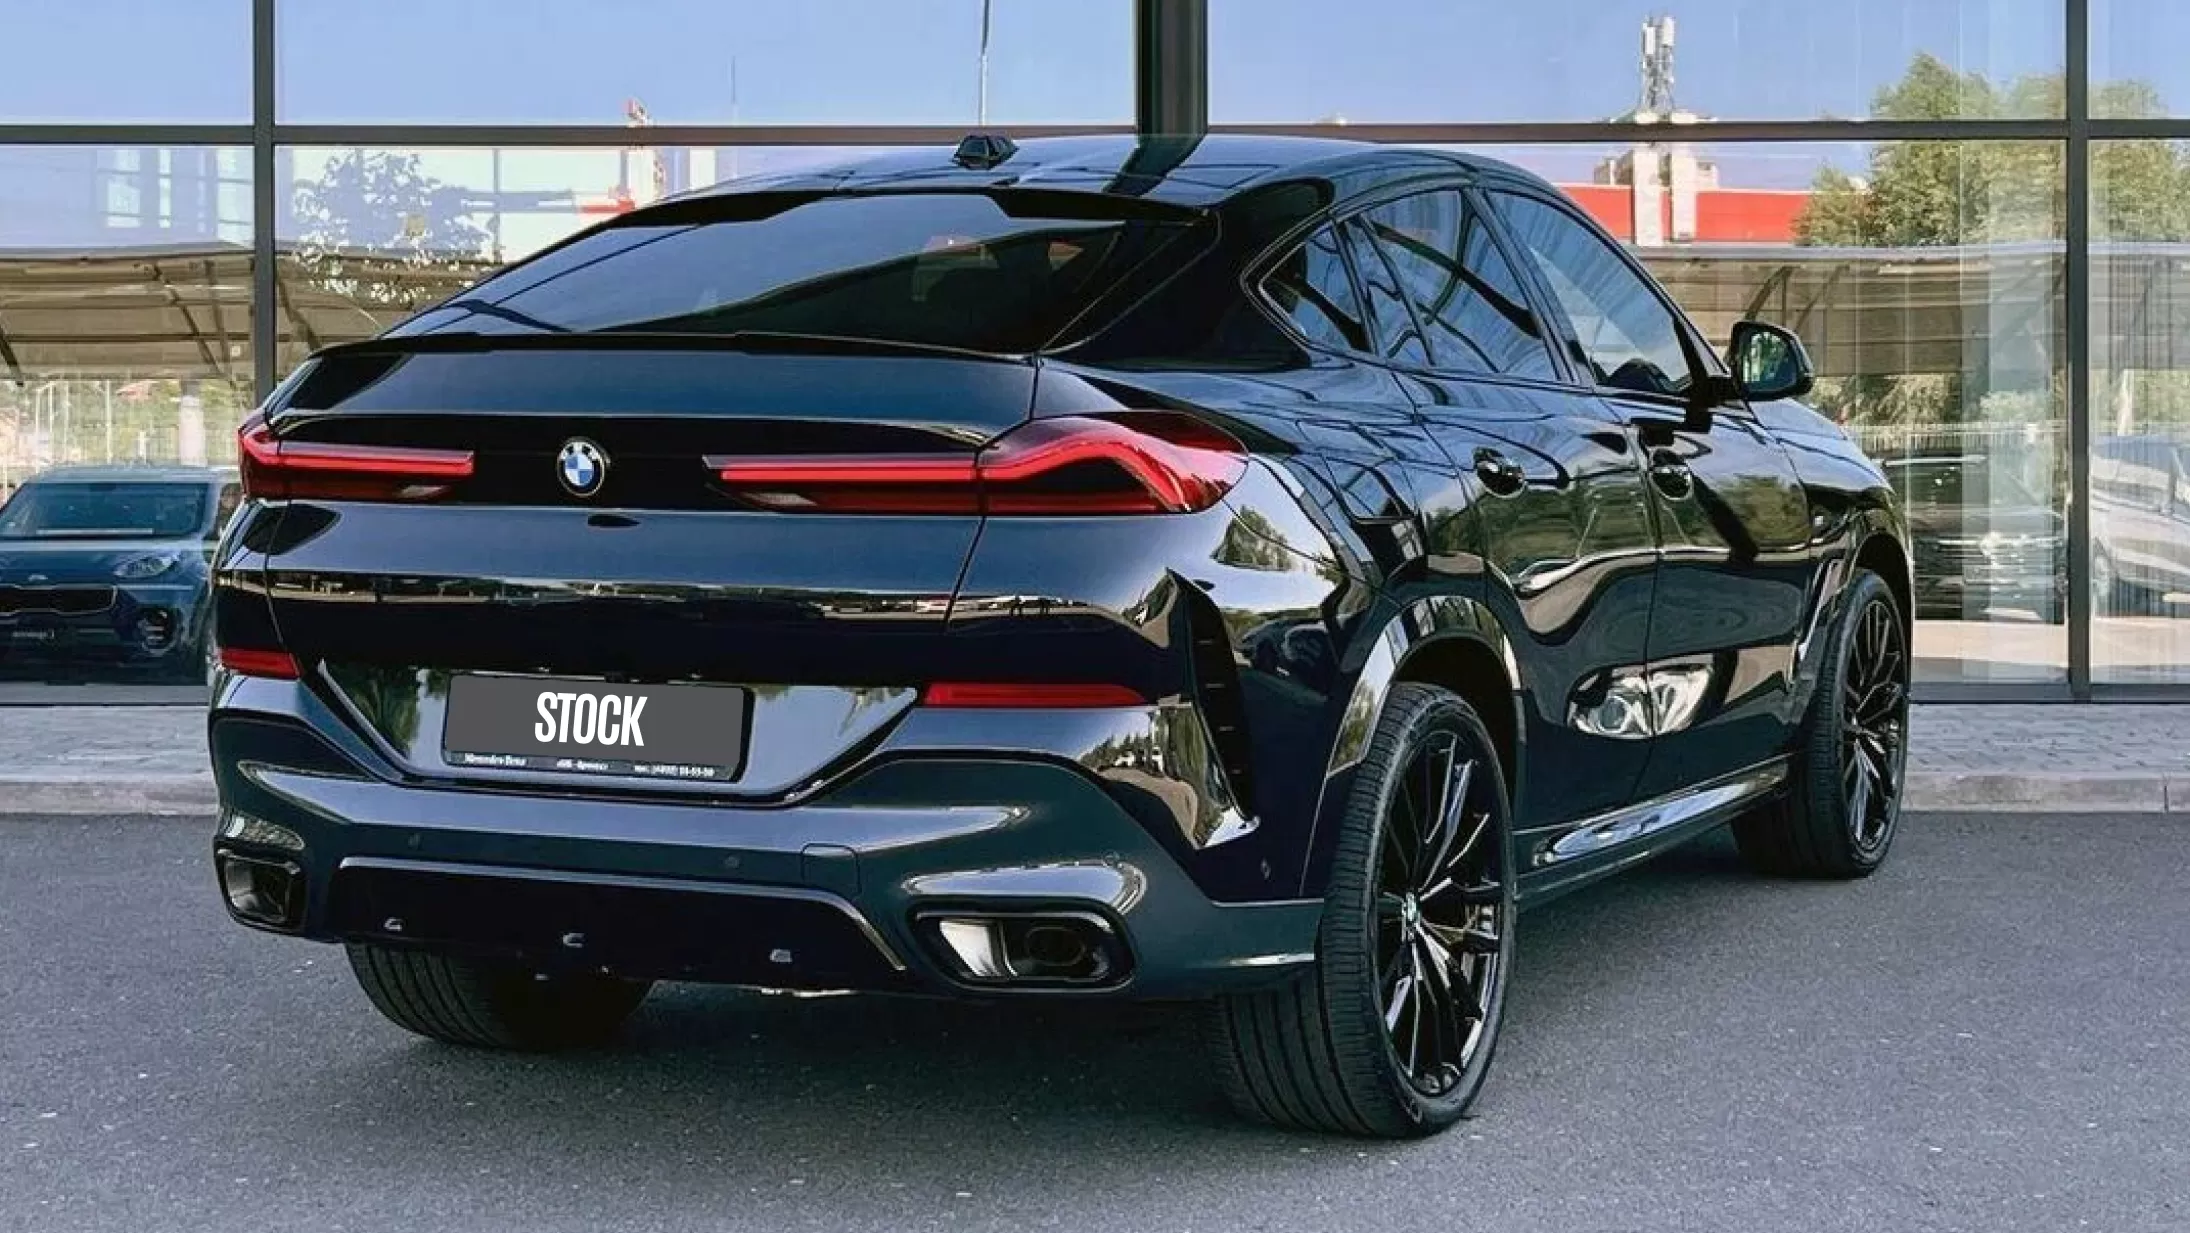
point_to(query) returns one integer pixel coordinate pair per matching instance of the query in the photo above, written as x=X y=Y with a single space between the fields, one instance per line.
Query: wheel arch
x=1471 y=668
x=1884 y=555
x=1451 y=641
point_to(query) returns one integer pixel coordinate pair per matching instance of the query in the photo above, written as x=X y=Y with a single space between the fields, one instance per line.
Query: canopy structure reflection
x=184 y=311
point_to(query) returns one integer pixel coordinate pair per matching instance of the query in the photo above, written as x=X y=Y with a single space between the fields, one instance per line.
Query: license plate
x=525 y=723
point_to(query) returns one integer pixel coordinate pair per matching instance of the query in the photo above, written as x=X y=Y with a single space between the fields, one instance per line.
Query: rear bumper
x=822 y=893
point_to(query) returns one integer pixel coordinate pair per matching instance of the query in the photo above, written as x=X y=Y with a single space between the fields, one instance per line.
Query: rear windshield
x=1009 y=273
x=64 y=510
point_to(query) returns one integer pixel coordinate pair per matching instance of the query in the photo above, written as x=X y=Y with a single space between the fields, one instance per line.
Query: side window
x=1311 y=287
x=1393 y=333
x=1465 y=295
x=1628 y=337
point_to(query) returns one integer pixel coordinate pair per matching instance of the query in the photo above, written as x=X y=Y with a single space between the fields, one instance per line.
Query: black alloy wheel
x=1390 y=1032
x=1874 y=719
x=1439 y=916
x=1849 y=766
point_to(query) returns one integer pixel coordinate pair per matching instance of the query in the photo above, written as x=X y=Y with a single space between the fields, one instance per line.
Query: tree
x=1838 y=211
x=378 y=229
x=1918 y=194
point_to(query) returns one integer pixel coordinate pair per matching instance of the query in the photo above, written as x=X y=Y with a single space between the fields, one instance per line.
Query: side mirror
x=1769 y=362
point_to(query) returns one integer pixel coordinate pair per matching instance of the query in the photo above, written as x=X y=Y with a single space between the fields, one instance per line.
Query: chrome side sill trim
x=1631 y=822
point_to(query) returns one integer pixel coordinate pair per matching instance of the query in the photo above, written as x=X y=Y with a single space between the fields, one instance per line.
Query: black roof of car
x=1194 y=172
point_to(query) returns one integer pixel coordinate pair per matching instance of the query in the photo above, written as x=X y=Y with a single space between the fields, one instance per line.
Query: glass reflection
x=1386 y=61
x=1925 y=280
x=126 y=61
x=2137 y=68
x=369 y=236
x=2140 y=410
x=705 y=62
x=125 y=310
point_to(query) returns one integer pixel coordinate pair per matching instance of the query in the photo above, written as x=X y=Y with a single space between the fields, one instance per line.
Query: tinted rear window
x=90 y=510
x=1007 y=273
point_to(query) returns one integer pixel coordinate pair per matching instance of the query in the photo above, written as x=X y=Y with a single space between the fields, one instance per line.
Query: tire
x=1815 y=830
x=1323 y=1051
x=492 y=1005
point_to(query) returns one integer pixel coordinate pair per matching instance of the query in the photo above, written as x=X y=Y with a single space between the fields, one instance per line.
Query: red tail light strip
x=278 y=469
x=250 y=661
x=799 y=471
x=1189 y=469
x=1129 y=463
x=977 y=695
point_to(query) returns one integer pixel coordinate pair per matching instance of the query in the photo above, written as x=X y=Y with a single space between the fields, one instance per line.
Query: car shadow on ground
x=707 y=1080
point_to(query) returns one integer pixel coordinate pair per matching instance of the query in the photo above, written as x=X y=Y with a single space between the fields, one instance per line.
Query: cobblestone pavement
x=2047 y=738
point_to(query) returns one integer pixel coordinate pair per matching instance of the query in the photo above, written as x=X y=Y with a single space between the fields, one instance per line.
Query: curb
x=184 y=795
x=192 y=794
x=2058 y=792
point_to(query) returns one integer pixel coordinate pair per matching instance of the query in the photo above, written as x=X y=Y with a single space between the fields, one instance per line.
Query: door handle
x=1671 y=474
x=1501 y=476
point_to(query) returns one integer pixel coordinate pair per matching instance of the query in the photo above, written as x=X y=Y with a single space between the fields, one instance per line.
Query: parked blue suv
x=109 y=565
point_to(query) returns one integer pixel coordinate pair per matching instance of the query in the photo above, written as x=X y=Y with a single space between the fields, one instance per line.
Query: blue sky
x=574 y=61
x=1059 y=61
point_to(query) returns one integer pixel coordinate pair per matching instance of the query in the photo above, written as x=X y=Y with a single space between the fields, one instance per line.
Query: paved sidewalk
x=2059 y=758
x=103 y=759
x=2062 y=758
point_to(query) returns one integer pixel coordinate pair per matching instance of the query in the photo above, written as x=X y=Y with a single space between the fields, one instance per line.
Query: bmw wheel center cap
x=581 y=466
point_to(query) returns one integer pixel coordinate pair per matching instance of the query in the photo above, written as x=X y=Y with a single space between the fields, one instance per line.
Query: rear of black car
x=733 y=593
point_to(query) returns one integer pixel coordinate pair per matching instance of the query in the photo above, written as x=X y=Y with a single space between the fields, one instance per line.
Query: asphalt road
x=1992 y=1035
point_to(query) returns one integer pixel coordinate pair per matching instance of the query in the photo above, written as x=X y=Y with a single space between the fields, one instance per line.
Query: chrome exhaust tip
x=1032 y=949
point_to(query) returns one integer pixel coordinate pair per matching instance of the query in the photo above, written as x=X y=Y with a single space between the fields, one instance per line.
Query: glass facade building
x=1976 y=212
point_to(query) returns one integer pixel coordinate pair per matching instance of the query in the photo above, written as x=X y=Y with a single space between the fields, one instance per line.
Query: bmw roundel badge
x=581 y=466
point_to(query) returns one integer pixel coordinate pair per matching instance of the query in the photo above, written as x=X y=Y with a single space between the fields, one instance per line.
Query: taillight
x=275 y=469
x=1142 y=462
x=252 y=661
x=1053 y=695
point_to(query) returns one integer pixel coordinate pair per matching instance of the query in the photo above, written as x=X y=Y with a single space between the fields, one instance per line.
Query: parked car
x=2140 y=524
x=1983 y=539
x=867 y=579
x=111 y=564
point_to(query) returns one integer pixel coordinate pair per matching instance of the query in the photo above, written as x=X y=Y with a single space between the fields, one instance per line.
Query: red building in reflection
x=1660 y=194
x=1722 y=215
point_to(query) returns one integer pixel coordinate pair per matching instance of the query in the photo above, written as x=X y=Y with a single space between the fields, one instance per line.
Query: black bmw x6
x=1242 y=571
